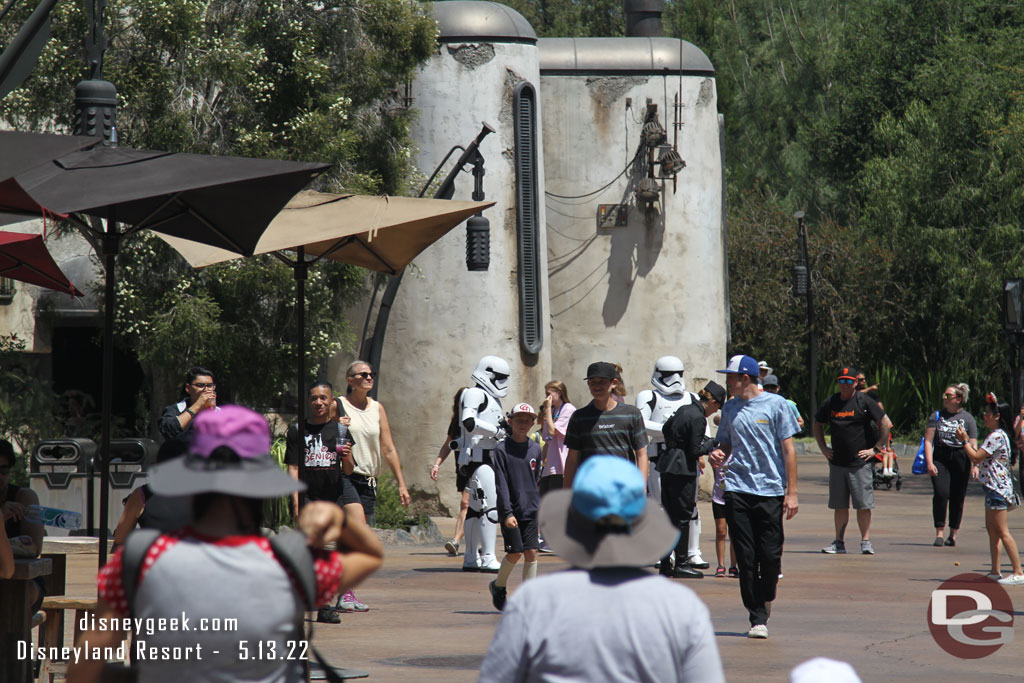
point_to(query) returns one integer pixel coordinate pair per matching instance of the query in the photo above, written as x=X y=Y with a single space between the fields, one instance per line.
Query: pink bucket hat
x=230 y=454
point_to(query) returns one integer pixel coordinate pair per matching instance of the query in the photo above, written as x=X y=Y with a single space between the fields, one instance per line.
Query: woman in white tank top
x=368 y=425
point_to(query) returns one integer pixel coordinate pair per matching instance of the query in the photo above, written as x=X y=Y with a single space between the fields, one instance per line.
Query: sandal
x=720 y=571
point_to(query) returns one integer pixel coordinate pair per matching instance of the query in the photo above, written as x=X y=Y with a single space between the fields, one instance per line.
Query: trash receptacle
x=130 y=461
x=59 y=473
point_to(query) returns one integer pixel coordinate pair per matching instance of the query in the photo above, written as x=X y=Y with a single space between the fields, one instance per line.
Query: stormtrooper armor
x=482 y=428
x=657 y=406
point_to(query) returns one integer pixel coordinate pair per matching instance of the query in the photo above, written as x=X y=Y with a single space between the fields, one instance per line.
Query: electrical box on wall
x=612 y=215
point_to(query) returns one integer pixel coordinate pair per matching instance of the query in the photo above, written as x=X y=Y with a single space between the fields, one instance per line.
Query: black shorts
x=367 y=496
x=523 y=537
x=551 y=482
x=349 y=494
x=718 y=510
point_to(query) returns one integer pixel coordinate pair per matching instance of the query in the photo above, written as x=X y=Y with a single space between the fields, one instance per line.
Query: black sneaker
x=328 y=615
x=498 y=596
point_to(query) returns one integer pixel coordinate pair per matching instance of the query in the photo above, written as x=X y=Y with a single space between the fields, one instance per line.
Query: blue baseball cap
x=742 y=365
x=605 y=521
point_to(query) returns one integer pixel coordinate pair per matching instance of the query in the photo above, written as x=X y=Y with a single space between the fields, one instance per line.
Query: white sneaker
x=1013 y=580
x=697 y=562
x=490 y=566
x=759 y=631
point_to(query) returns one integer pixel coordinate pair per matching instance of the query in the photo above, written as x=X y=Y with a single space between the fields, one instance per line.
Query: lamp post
x=1013 y=324
x=477 y=245
x=802 y=287
x=95 y=115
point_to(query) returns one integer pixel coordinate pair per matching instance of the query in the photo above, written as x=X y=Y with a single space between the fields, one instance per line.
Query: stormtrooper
x=657 y=407
x=483 y=426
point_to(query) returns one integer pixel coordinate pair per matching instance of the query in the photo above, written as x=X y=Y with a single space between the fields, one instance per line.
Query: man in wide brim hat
x=609 y=617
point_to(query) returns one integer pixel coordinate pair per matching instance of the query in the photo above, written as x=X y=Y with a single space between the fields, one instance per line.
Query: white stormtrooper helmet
x=492 y=375
x=668 y=376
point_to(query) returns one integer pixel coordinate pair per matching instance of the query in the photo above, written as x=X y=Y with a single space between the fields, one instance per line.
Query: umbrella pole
x=111 y=242
x=301 y=272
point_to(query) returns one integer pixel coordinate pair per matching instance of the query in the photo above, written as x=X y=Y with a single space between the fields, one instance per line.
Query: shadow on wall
x=635 y=249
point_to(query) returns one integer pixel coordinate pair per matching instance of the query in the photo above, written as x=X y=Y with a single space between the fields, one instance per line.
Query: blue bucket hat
x=605 y=521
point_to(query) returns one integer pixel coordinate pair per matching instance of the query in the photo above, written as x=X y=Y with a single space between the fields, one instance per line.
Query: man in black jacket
x=686 y=443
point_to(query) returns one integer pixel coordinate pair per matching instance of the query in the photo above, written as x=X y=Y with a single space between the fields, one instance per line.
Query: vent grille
x=527 y=217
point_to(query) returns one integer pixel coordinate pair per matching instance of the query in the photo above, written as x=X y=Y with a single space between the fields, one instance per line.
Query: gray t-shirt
x=948 y=423
x=605 y=625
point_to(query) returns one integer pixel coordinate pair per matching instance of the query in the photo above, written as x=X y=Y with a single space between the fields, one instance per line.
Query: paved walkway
x=431 y=622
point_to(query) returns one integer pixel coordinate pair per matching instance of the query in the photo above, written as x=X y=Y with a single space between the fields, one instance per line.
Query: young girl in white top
x=993 y=460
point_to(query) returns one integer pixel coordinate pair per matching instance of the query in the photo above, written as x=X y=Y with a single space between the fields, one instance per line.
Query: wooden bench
x=52 y=632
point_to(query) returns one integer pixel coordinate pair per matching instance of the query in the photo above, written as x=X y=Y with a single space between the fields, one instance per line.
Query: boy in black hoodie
x=517 y=468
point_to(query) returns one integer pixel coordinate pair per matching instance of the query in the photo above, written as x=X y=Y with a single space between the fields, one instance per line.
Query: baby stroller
x=879 y=480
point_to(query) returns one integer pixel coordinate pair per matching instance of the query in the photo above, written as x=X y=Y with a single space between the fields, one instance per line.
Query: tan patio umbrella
x=379 y=233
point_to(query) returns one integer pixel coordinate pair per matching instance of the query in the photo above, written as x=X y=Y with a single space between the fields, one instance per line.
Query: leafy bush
x=391 y=514
x=278 y=511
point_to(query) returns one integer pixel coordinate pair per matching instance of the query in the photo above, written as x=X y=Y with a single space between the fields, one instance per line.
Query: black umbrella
x=21 y=151
x=225 y=202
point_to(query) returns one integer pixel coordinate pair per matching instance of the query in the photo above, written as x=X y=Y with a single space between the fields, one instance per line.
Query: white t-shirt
x=994 y=471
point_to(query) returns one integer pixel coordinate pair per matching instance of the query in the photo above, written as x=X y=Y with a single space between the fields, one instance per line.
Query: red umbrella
x=25 y=257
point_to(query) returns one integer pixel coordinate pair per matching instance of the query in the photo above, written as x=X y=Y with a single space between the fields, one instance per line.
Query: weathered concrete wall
x=653 y=287
x=446 y=317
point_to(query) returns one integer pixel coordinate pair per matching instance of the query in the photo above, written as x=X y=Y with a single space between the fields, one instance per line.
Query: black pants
x=679 y=498
x=949 y=486
x=755 y=527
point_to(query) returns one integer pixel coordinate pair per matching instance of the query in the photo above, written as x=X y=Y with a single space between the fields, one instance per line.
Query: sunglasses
x=364 y=375
x=948 y=396
x=846 y=381
x=204 y=385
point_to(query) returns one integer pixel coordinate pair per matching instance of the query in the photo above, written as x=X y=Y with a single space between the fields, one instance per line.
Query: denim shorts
x=994 y=501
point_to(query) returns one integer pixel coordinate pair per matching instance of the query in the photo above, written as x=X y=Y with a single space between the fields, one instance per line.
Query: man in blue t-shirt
x=757 y=429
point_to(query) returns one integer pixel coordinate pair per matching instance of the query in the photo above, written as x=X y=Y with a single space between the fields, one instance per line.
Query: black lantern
x=478 y=243
x=1013 y=305
x=801 y=280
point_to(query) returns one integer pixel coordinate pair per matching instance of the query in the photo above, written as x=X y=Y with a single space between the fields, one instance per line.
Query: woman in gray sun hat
x=222 y=570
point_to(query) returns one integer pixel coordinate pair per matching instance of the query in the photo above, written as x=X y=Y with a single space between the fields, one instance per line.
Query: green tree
x=898 y=125
x=280 y=79
x=27 y=406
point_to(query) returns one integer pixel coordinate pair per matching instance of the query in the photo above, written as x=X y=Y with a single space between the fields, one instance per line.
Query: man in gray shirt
x=607 y=618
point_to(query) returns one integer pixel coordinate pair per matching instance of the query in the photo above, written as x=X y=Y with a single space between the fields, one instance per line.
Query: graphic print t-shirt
x=994 y=471
x=322 y=472
x=850 y=426
x=619 y=431
x=947 y=424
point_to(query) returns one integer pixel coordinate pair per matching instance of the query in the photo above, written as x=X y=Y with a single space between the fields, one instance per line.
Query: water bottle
x=47 y=516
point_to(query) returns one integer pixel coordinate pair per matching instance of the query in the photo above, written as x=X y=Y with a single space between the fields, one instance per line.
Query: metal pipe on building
x=643 y=18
